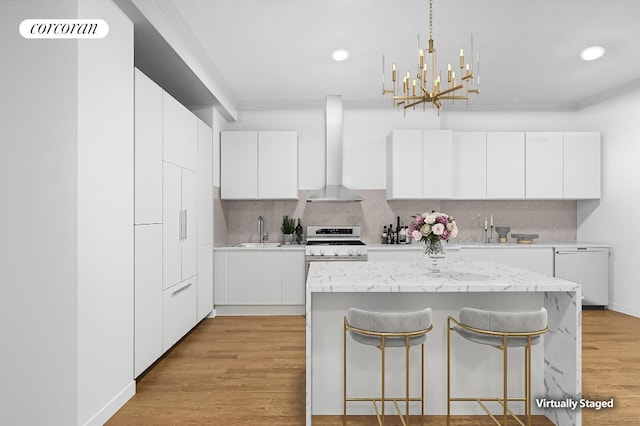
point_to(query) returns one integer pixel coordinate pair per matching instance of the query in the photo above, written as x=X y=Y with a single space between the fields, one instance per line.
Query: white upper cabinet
x=239 y=165
x=582 y=165
x=469 y=165
x=437 y=157
x=505 y=165
x=259 y=165
x=544 y=175
x=278 y=165
x=417 y=161
x=180 y=131
x=404 y=164
x=148 y=150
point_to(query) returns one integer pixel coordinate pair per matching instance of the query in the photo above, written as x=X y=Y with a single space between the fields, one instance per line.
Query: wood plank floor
x=251 y=371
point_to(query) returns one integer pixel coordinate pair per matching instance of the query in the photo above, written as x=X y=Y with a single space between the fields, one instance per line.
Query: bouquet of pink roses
x=431 y=228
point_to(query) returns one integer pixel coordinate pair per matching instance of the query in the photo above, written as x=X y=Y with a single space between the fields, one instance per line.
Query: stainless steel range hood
x=333 y=191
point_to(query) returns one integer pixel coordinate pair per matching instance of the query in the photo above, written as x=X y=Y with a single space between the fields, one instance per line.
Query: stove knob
x=321 y=252
x=312 y=252
x=335 y=253
x=351 y=252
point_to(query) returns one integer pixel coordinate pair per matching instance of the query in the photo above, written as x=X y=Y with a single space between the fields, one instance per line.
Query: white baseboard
x=212 y=314
x=252 y=310
x=624 y=309
x=113 y=406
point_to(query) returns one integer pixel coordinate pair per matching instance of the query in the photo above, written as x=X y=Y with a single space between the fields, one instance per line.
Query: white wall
x=613 y=219
x=38 y=254
x=105 y=216
x=66 y=218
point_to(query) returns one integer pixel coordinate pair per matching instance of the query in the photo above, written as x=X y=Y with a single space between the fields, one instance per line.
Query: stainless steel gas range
x=334 y=243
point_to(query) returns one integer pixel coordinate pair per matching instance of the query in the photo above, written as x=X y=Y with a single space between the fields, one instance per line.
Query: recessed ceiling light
x=592 y=53
x=340 y=55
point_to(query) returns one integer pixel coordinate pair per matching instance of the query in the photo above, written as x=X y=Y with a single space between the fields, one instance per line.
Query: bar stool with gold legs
x=500 y=330
x=383 y=330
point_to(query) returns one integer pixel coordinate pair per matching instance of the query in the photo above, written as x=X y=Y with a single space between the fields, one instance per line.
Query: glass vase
x=435 y=250
x=288 y=239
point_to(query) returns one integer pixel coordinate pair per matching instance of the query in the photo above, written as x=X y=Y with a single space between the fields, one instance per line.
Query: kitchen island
x=334 y=287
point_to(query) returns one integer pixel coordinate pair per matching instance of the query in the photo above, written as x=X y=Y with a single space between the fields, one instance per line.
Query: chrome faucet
x=261 y=229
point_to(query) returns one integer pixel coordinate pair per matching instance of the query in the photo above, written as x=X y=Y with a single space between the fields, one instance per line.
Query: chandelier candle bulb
x=461 y=58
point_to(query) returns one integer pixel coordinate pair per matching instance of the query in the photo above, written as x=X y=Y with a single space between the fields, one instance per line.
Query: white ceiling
x=277 y=53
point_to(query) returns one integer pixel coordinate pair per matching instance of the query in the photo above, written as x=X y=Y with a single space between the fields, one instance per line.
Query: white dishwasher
x=588 y=266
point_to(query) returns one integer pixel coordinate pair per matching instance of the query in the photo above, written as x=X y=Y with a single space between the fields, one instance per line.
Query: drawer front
x=179 y=311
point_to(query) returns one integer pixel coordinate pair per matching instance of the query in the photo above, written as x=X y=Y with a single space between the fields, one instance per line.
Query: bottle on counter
x=299 y=232
x=384 y=236
x=402 y=235
x=409 y=236
x=390 y=239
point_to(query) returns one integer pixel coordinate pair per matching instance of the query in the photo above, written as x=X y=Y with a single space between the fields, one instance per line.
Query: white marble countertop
x=455 y=245
x=460 y=276
x=280 y=247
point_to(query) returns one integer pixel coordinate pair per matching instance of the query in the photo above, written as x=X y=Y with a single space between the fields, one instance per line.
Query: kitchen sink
x=258 y=245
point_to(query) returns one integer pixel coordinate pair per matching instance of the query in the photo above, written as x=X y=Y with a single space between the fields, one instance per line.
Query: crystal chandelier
x=425 y=88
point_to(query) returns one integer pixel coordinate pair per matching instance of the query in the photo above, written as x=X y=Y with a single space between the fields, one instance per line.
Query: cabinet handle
x=180 y=290
x=186 y=221
x=181 y=225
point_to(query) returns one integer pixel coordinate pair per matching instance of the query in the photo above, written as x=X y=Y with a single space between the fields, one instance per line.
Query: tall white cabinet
x=173 y=274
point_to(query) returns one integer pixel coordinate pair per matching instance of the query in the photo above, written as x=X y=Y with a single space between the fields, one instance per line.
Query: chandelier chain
x=430 y=19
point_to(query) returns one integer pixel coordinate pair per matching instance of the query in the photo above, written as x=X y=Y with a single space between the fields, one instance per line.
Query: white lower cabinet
x=536 y=259
x=259 y=277
x=293 y=277
x=254 y=278
x=178 y=311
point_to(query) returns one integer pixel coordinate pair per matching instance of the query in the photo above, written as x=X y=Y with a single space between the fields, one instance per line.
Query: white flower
x=450 y=226
x=454 y=232
x=417 y=235
x=437 y=229
x=431 y=218
x=425 y=229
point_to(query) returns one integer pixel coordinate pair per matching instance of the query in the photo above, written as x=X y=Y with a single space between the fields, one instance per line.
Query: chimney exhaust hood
x=333 y=191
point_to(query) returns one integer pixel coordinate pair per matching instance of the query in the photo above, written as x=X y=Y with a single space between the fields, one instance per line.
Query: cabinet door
x=437 y=156
x=254 y=278
x=505 y=165
x=189 y=244
x=205 y=185
x=171 y=225
x=179 y=311
x=180 y=134
x=293 y=277
x=205 y=280
x=148 y=150
x=543 y=165
x=220 y=278
x=582 y=172
x=404 y=165
x=470 y=165
x=239 y=165
x=147 y=296
x=278 y=165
